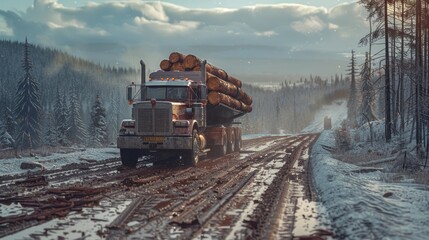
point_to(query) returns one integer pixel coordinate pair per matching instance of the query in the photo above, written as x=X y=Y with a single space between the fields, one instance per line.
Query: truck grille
x=154 y=121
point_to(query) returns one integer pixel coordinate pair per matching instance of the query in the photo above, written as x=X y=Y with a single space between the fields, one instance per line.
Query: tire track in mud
x=182 y=202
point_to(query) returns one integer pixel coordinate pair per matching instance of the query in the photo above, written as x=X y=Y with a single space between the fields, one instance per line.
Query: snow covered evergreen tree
x=352 y=104
x=60 y=117
x=114 y=115
x=98 y=126
x=51 y=131
x=366 y=111
x=28 y=107
x=6 y=139
x=76 y=132
x=10 y=123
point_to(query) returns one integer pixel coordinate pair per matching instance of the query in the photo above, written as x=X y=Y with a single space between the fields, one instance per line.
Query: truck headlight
x=181 y=123
x=128 y=123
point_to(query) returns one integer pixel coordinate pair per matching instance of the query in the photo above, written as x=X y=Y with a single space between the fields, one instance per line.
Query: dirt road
x=248 y=195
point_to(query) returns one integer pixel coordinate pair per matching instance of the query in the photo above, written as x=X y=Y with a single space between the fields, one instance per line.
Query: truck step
x=204 y=152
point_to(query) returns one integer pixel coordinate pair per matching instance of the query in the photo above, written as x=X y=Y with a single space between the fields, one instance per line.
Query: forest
x=70 y=91
x=392 y=83
x=80 y=103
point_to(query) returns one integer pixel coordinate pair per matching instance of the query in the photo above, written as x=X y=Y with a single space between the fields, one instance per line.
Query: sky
x=257 y=41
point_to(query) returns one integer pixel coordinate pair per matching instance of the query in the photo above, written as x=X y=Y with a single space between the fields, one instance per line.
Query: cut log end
x=191 y=61
x=165 y=65
x=176 y=57
x=178 y=66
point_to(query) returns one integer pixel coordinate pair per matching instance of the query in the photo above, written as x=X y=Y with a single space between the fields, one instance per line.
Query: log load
x=191 y=62
x=165 y=65
x=216 y=84
x=222 y=87
x=215 y=98
x=178 y=66
x=176 y=57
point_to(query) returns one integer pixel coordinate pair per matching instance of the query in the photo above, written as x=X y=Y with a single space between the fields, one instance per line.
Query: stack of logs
x=222 y=87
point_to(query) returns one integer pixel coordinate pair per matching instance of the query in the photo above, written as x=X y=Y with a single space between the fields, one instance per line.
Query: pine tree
x=76 y=132
x=51 y=131
x=58 y=107
x=98 y=127
x=367 y=108
x=10 y=123
x=352 y=103
x=114 y=113
x=28 y=108
x=6 y=139
x=60 y=112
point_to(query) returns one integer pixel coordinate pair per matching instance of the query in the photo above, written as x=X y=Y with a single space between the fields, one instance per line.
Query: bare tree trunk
x=371 y=132
x=401 y=78
x=393 y=68
x=388 y=130
x=419 y=74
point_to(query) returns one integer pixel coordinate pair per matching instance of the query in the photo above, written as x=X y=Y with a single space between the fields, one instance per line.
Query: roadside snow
x=11 y=166
x=360 y=203
x=355 y=201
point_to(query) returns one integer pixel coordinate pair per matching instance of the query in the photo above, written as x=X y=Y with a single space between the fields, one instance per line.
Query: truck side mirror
x=130 y=93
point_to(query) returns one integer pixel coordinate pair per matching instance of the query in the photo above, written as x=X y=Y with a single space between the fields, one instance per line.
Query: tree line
x=395 y=73
x=48 y=97
x=293 y=105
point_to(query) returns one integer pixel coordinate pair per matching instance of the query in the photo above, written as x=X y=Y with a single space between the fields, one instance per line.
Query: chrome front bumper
x=169 y=143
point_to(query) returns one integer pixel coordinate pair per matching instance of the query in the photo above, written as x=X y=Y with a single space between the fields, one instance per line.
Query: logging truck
x=173 y=119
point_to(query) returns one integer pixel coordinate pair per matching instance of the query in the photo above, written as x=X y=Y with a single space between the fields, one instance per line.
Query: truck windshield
x=167 y=93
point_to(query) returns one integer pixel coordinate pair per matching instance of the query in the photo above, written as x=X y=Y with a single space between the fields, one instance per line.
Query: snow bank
x=355 y=201
x=11 y=166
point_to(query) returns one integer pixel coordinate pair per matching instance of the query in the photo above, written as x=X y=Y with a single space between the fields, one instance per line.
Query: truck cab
x=167 y=116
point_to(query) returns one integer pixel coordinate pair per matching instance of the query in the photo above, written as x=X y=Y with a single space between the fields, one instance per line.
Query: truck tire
x=231 y=144
x=192 y=156
x=238 y=143
x=221 y=150
x=129 y=157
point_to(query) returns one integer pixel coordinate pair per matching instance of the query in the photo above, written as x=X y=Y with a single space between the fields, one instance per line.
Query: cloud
x=266 y=33
x=309 y=25
x=126 y=31
x=4 y=29
x=166 y=26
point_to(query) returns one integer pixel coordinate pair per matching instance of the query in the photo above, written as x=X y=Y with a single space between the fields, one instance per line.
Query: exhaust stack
x=203 y=71
x=143 y=72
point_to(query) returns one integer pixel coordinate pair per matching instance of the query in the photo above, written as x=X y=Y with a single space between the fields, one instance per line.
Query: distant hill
x=56 y=69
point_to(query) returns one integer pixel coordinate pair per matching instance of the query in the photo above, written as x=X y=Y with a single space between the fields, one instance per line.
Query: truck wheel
x=222 y=149
x=238 y=143
x=231 y=144
x=192 y=156
x=129 y=157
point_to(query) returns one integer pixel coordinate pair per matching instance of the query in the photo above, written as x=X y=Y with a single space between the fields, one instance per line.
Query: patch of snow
x=361 y=204
x=86 y=224
x=14 y=209
x=11 y=166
